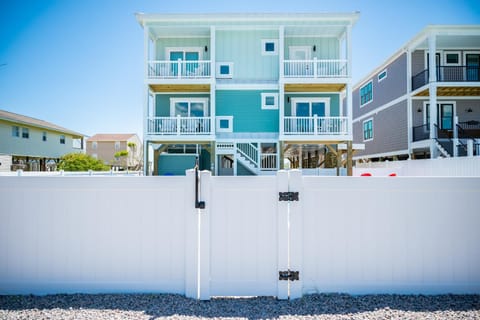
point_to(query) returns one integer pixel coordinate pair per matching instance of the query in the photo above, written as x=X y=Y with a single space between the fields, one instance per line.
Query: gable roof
x=33 y=122
x=111 y=137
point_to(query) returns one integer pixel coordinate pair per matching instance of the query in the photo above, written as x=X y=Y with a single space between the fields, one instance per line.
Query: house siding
x=326 y=48
x=389 y=131
x=244 y=49
x=34 y=146
x=418 y=62
x=162 y=102
x=164 y=43
x=390 y=88
x=334 y=102
x=246 y=108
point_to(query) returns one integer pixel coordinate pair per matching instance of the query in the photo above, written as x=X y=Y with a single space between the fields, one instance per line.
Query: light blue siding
x=164 y=43
x=334 y=102
x=326 y=48
x=162 y=102
x=244 y=49
x=246 y=108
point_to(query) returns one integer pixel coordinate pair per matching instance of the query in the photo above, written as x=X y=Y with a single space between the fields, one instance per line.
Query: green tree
x=81 y=162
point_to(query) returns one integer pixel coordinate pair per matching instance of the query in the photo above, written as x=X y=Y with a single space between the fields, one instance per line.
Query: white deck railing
x=179 y=125
x=315 y=125
x=268 y=161
x=179 y=69
x=315 y=68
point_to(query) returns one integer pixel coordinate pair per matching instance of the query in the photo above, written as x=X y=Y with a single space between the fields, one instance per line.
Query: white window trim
x=264 y=101
x=380 y=80
x=310 y=100
x=439 y=102
x=307 y=49
x=189 y=100
x=465 y=56
x=225 y=76
x=270 y=53
x=184 y=49
x=363 y=129
x=360 y=94
x=458 y=53
x=230 y=123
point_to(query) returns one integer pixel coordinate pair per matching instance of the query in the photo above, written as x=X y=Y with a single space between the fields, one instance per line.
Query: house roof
x=111 y=137
x=25 y=120
x=463 y=35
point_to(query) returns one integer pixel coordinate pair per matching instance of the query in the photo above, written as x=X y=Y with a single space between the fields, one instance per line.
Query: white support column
x=455 y=136
x=409 y=102
x=348 y=47
x=349 y=114
x=281 y=50
x=146 y=49
x=213 y=82
x=432 y=88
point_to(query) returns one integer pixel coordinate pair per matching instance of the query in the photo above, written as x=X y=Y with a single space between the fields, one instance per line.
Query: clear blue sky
x=79 y=63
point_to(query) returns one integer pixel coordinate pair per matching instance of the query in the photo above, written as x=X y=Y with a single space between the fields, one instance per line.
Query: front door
x=444 y=116
x=473 y=66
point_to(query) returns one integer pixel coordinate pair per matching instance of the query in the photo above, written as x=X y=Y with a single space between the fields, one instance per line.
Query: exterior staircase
x=442 y=147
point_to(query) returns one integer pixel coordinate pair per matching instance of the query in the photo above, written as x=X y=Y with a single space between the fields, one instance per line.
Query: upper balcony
x=165 y=69
x=448 y=74
x=315 y=68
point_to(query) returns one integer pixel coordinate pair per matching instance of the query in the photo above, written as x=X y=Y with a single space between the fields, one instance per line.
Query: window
x=225 y=70
x=94 y=145
x=309 y=107
x=366 y=94
x=270 y=101
x=117 y=145
x=368 y=130
x=62 y=139
x=269 y=47
x=44 y=136
x=382 y=75
x=452 y=58
x=15 y=131
x=25 y=133
x=224 y=124
x=189 y=107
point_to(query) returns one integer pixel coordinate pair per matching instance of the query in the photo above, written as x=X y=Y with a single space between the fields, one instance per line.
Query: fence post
x=295 y=184
x=282 y=232
x=197 y=242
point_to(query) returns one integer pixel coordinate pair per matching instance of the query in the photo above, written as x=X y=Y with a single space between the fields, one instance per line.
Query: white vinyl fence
x=445 y=167
x=144 y=234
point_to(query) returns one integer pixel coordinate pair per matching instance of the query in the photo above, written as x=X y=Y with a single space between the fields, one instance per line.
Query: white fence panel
x=391 y=235
x=243 y=242
x=92 y=234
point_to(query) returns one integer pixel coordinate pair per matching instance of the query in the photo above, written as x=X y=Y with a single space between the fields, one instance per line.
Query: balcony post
x=455 y=136
x=179 y=70
x=178 y=124
x=315 y=129
x=315 y=66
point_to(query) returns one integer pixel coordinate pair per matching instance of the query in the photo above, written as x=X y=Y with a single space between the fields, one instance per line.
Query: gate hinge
x=289 y=275
x=288 y=196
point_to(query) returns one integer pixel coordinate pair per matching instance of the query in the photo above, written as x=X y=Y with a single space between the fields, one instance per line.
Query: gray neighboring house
x=391 y=106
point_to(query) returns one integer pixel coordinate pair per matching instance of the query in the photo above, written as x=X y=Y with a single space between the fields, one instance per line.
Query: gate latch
x=288 y=196
x=289 y=275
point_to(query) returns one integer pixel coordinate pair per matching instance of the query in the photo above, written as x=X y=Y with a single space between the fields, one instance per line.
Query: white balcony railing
x=268 y=161
x=179 y=125
x=315 y=68
x=315 y=125
x=179 y=69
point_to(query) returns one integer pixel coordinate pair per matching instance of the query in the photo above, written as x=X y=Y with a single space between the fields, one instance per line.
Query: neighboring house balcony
x=463 y=139
x=448 y=74
x=315 y=128
x=181 y=128
x=315 y=68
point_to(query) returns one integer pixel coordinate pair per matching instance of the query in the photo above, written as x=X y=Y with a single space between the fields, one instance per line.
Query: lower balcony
x=180 y=126
x=323 y=128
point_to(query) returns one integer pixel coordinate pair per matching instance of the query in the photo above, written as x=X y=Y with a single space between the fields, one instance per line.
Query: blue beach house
x=246 y=94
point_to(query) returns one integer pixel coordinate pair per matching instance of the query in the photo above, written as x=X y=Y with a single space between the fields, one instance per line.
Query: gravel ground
x=163 y=306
